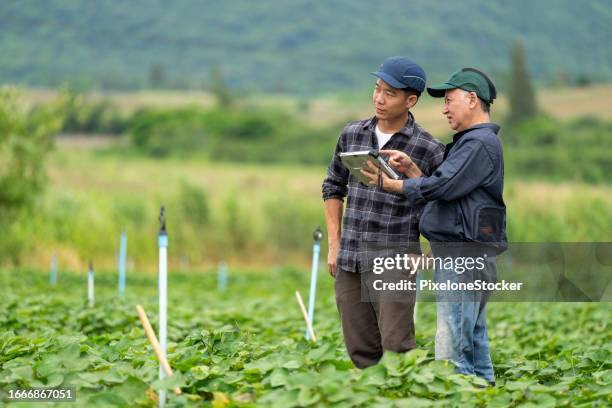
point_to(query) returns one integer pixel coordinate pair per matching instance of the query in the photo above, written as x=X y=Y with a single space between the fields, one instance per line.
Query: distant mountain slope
x=303 y=46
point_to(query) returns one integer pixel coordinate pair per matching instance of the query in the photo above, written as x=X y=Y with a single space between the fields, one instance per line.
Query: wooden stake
x=305 y=314
x=155 y=344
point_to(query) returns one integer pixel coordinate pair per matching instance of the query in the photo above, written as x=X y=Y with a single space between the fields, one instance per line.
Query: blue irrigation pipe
x=90 y=285
x=53 y=274
x=122 y=262
x=222 y=277
x=162 y=243
x=316 y=249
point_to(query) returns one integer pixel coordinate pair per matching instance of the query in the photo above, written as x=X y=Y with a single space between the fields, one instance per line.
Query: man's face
x=390 y=103
x=458 y=108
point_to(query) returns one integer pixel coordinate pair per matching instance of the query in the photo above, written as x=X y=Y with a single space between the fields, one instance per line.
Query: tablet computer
x=355 y=161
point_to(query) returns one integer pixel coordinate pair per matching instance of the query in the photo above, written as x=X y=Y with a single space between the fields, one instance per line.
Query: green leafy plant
x=246 y=347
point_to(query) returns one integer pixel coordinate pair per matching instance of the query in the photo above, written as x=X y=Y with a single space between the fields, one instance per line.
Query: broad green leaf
x=519 y=385
x=279 y=377
x=291 y=364
x=308 y=396
x=373 y=376
x=22 y=373
x=200 y=372
x=325 y=352
x=55 y=380
x=48 y=366
x=107 y=399
x=168 y=383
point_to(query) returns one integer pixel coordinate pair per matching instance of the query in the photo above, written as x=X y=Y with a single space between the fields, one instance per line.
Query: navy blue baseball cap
x=402 y=73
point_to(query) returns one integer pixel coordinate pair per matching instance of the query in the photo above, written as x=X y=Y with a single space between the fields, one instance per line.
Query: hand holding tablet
x=357 y=161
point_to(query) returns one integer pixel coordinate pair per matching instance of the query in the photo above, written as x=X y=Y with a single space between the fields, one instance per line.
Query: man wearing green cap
x=465 y=214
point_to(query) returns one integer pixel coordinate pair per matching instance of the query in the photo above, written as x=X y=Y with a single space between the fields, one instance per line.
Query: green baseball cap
x=468 y=79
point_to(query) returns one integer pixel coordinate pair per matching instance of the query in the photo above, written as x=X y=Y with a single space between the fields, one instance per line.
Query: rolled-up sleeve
x=462 y=171
x=336 y=181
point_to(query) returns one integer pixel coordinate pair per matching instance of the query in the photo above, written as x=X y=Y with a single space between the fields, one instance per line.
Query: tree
x=521 y=93
x=219 y=88
x=157 y=76
x=26 y=137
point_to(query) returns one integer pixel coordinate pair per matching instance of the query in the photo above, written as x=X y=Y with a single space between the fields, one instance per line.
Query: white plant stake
x=303 y=309
x=90 y=285
x=162 y=243
x=122 y=262
x=316 y=249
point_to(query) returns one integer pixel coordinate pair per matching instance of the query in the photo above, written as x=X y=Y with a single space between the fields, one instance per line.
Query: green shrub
x=193 y=202
x=83 y=116
x=248 y=135
x=290 y=222
x=130 y=210
x=538 y=131
x=552 y=149
x=26 y=137
x=162 y=133
x=237 y=225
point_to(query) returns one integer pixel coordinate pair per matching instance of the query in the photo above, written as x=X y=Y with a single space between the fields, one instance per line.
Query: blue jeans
x=461 y=332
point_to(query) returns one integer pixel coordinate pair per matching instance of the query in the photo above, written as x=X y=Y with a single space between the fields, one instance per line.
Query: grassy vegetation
x=244 y=211
x=246 y=214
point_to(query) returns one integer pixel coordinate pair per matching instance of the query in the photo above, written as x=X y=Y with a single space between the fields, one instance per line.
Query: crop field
x=245 y=346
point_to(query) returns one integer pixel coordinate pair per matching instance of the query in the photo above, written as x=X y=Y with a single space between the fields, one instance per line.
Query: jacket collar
x=493 y=126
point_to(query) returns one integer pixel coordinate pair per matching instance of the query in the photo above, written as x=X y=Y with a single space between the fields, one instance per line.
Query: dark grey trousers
x=371 y=326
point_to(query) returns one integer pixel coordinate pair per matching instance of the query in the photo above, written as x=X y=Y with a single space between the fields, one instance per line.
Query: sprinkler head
x=162 y=220
x=317 y=235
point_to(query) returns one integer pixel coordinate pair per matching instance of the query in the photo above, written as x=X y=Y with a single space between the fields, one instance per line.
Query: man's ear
x=474 y=102
x=411 y=101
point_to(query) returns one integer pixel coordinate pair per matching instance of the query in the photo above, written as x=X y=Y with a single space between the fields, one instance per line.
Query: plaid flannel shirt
x=372 y=215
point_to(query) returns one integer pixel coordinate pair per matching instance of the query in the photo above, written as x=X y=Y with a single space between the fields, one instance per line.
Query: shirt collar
x=407 y=130
x=493 y=126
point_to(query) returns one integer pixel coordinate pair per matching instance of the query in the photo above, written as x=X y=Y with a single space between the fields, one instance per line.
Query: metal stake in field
x=53 y=273
x=90 y=284
x=162 y=243
x=305 y=315
x=222 y=277
x=122 y=262
x=155 y=344
x=316 y=249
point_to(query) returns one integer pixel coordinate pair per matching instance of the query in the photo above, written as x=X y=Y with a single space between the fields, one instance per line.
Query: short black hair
x=485 y=106
x=411 y=91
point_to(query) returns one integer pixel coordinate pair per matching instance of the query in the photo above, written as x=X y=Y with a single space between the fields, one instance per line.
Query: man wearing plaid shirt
x=375 y=216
